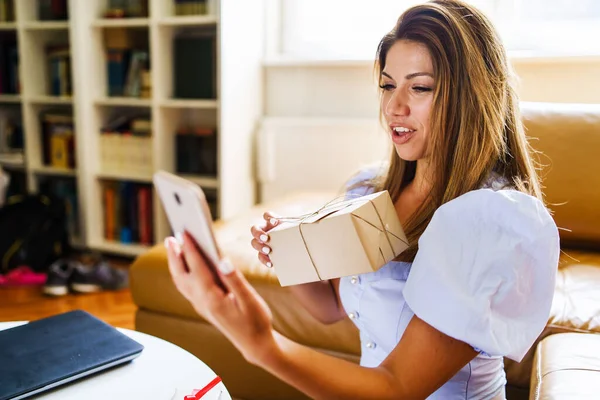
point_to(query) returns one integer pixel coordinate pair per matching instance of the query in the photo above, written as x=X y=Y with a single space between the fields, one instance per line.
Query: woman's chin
x=407 y=153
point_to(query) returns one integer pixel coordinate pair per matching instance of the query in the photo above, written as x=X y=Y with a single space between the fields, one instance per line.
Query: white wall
x=321 y=118
x=350 y=90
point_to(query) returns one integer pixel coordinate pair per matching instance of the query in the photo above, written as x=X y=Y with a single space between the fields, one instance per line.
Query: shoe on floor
x=23 y=276
x=59 y=276
x=101 y=276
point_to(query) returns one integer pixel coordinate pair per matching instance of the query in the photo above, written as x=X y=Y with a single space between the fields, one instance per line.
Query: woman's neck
x=421 y=183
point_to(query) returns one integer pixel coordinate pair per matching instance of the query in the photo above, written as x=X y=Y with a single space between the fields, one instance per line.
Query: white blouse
x=484 y=274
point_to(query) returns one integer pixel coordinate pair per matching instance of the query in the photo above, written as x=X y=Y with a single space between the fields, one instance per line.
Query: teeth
x=402 y=129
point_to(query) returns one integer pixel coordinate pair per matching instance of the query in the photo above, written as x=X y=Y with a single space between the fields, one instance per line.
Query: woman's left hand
x=223 y=297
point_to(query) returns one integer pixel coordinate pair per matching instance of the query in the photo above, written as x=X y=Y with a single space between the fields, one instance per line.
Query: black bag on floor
x=33 y=232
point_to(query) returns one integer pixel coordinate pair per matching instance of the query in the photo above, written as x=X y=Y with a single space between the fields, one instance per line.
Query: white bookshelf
x=234 y=113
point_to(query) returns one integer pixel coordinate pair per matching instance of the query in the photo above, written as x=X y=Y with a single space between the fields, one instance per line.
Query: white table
x=163 y=371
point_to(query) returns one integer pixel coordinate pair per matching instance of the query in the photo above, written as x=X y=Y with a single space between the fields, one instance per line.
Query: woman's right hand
x=260 y=239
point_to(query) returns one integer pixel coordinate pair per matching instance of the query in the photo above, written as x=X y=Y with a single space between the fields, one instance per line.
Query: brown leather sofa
x=569 y=138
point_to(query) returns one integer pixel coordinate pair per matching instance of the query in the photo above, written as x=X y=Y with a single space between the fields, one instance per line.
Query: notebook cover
x=56 y=348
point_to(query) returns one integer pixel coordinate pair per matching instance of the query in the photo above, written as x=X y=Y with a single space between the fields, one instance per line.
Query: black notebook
x=50 y=352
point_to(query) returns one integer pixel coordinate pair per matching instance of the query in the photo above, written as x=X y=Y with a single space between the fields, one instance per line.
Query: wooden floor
x=29 y=303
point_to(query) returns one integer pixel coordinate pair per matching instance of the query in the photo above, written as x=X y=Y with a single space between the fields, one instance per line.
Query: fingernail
x=179 y=238
x=171 y=243
x=266 y=250
x=269 y=264
x=273 y=221
x=225 y=266
x=264 y=238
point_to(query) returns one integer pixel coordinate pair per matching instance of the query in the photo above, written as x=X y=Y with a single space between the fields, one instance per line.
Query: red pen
x=198 y=393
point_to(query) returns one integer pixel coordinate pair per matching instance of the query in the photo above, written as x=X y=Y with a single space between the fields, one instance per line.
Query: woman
x=477 y=281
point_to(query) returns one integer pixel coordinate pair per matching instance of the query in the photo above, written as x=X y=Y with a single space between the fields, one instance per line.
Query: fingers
x=261 y=237
x=238 y=286
x=259 y=234
x=198 y=264
x=177 y=267
x=271 y=219
x=266 y=260
x=260 y=247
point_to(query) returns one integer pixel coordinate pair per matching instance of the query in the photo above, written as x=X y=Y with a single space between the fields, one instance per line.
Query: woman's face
x=407 y=82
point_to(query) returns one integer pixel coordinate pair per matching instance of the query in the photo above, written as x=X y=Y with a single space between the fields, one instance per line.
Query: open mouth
x=401 y=134
x=400 y=131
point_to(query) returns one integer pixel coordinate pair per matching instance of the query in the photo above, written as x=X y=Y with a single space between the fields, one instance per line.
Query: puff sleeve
x=485 y=271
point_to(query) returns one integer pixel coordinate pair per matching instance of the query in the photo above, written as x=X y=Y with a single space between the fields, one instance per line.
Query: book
x=117 y=66
x=57 y=127
x=128 y=212
x=196 y=151
x=194 y=70
x=59 y=70
x=53 y=10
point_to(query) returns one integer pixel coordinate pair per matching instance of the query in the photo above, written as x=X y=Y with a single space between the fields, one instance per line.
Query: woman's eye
x=422 y=89
x=387 y=87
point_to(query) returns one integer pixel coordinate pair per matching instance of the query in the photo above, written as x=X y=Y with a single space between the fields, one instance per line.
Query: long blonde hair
x=476 y=126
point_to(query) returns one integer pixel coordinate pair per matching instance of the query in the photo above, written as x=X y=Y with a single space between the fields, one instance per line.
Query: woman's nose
x=396 y=106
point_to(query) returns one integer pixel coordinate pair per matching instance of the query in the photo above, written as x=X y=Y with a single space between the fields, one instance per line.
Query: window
x=351 y=29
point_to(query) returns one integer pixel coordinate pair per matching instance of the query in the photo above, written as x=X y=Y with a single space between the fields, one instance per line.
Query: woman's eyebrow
x=409 y=76
x=415 y=74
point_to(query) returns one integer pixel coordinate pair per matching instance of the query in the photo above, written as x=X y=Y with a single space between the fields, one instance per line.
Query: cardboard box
x=344 y=238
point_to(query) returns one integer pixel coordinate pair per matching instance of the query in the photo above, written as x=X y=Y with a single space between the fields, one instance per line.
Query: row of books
x=59 y=70
x=196 y=151
x=190 y=7
x=126 y=145
x=194 y=68
x=58 y=138
x=9 y=68
x=53 y=10
x=127 y=9
x=128 y=73
x=128 y=212
x=66 y=189
x=7 y=11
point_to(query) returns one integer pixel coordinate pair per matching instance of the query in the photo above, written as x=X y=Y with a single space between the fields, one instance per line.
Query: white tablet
x=185 y=204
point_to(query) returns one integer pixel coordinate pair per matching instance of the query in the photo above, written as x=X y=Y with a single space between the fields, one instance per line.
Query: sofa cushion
x=576 y=305
x=566 y=366
x=575 y=308
x=153 y=289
